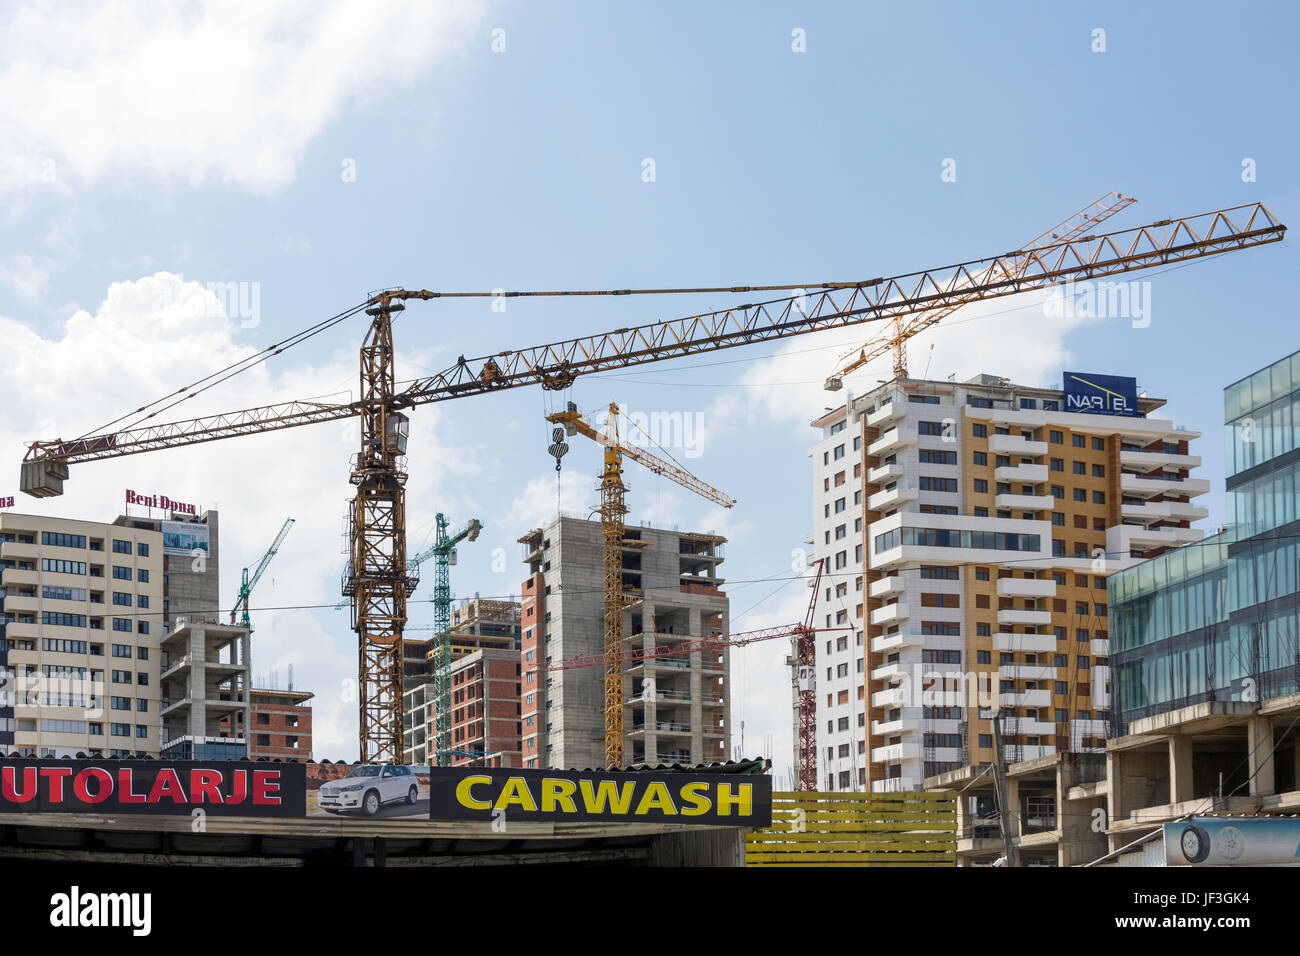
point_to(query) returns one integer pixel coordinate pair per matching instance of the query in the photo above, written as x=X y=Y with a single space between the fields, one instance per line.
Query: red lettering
x=266 y=788
x=166 y=503
x=9 y=792
x=124 y=792
x=130 y=497
x=56 y=776
x=205 y=786
x=240 y=778
x=82 y=792
x=167 y=784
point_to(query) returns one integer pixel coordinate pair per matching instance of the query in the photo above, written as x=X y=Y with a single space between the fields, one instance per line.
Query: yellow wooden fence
x=811 y=828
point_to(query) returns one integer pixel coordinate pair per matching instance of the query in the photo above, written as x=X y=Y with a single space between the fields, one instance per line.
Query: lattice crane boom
x=903 y=328
x=378 y=580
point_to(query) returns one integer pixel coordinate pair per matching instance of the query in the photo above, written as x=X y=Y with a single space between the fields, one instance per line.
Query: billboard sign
x=524 y=796
x=161 y=502
x=1100 y=394
x=224 y=788
x=1232 y=841
x=185 y=537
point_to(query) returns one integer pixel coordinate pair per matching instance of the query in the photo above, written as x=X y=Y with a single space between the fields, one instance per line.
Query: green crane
x=444 y=553
x=240 y=610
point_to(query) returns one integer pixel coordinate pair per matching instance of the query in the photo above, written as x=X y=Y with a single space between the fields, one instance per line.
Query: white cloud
x=64 y=386
x=231 y=91
x=28 y=277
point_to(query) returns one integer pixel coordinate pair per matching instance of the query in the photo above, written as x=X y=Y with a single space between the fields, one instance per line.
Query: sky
x=183 y=185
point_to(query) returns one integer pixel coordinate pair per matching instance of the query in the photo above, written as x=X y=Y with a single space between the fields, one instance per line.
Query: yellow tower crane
x=612 y=526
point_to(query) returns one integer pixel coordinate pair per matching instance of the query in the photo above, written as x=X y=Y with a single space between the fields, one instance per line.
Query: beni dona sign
x=7 y=502
x=160 y=501
x=1100 y=394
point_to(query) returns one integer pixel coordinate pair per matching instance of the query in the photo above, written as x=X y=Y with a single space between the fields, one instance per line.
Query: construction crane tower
x=444 y=556
x=240 y=611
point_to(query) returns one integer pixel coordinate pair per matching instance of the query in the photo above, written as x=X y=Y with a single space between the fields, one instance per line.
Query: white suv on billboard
x=367 y=788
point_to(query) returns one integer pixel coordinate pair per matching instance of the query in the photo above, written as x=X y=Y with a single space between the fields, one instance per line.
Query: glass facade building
x=1217 y=620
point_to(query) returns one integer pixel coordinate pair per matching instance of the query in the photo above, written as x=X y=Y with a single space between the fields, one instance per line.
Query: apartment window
x=940 y=600
x=1060 y=687
x=120 y=703
x=1099 y=471
x=121 y=650
x=142 y=627
x=928 y=456
x=1099 y=444
x=839 y=452
x=60 y=646
x=948 y=485
x=981 y=574
x=63 y=620
x=986 y=741
x=58 y=540
x=1058 y=491
x=979 y=431
x=121 y=573
x=1058 y=464
x=857 y=442
x=142 y=550
x=142 y=575
x=981 y=512
x=981 y=486
x=121 y=547
x=1058 y=548
x=1079 y=468
x=63 y=567
x=1080 y=494
x=1077 y=441
x=119 y=730
x=839 y=505
x=1099 y=497
x=121 y=598
x=982 y=630
x=939 y=573
x=842 y=723
x=979 y=458
x=1056 y=437
x=983 y=657
x=838 y=427
x=142 y=600
x=1058 y=519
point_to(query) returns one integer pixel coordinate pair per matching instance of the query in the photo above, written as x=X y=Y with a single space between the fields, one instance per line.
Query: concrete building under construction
x=677 y=709
x=485 y=688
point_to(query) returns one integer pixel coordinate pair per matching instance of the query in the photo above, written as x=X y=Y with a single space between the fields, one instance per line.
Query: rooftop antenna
x=290 y=677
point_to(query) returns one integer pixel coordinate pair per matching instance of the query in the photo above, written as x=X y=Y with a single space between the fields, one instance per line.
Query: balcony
x=1152 y=511
x=1151 y=460
x=1100 y=647
x=1033 y=752
x=1028 y=727
x=1121 y=539
x=900 y=436
x=896 y=753
x=891 y=497
x=885 y=473
x=1016 y=445
x=887 y=643
x=1025 y=616
x=1024 y=502
x=1026 y=672
x=891 y=613
x=893 y=785
x=1021 y=474
x=908 y=722
x=1027 y=698
x=883 y=587
x=889 y=698
x=1026 y=587
x=1137 y=485
x=892 y=410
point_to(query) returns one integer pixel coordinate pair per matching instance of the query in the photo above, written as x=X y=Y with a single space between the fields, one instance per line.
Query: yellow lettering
x=742 y=800
x=656 y=797
x=516 y=791
x=699 y=803
x=466 y=799
x=558 y=791
x=618 y=797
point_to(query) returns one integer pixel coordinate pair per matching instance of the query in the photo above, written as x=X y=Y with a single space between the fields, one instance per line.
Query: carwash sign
x=225 y=788
x=738 y=800
x=1232 y=841
x=1100 y=394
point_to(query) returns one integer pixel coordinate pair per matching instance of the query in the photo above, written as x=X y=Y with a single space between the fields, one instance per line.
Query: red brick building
x=281 y=727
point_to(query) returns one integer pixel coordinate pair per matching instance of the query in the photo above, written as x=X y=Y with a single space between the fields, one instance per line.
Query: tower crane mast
x=378 y=580
x=613 y=511
x=444 y=556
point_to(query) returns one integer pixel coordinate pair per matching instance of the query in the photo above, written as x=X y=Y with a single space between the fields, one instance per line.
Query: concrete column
x=1180 y=769
x=1259 y=743
x=1015 y=809
x=1115 y=809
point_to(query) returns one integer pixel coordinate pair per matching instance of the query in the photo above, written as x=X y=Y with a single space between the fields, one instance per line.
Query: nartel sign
x=160 y=501
x=1100 y=394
